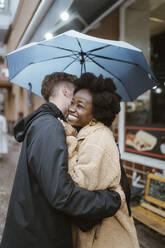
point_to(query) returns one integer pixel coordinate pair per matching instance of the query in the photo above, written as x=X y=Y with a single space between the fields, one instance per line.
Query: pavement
x=147 y=237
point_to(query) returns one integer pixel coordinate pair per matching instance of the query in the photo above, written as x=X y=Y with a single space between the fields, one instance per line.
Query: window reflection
x=149 y=108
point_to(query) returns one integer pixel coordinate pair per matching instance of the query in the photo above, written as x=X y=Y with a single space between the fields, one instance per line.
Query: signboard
x=148 y=141
x=155 y=190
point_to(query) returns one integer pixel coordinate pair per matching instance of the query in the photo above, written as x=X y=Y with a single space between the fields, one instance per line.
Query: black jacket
x=44 y=195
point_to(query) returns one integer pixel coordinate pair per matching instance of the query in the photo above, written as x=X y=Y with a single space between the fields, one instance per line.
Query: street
x=147 y=237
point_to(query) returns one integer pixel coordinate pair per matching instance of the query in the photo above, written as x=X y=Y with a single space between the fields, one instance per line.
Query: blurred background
x=139 y=22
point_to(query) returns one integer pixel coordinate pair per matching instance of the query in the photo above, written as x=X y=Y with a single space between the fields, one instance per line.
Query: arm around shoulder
x=48 y=159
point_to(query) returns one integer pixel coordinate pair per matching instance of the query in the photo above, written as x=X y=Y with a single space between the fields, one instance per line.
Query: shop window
x=145 y=124
x=142 y=122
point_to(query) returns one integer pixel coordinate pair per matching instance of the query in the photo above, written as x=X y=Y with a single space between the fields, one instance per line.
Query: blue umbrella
x=75 y=53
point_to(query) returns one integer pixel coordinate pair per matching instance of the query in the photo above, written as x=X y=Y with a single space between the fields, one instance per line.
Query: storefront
x=141 y=126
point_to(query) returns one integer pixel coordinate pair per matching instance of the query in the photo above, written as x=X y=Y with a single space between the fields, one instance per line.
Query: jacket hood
x=22 y=126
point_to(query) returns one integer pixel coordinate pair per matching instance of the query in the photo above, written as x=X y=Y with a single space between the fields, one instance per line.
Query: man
x=44 y=195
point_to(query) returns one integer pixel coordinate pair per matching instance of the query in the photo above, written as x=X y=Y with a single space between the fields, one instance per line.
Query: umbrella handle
x=29 y=94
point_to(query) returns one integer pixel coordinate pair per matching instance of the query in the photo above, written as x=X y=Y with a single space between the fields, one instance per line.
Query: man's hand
x=119 y=190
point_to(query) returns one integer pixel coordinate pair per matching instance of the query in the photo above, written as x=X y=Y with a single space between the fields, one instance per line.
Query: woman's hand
x=119 y=190
x=69 y=130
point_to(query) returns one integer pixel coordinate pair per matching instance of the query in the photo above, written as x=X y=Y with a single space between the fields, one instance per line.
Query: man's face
x=68 y=96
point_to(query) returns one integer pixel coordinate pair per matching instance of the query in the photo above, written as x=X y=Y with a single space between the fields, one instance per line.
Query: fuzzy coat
x=94 y=164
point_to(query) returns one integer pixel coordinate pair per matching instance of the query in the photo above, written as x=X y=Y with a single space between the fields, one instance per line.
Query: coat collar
x=22 y=126
x=87 y=130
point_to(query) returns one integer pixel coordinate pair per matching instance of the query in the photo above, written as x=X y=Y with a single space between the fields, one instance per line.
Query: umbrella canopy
x=75 y=53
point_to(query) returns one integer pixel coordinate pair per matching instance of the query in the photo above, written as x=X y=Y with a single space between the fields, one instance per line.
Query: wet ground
x=147 y=237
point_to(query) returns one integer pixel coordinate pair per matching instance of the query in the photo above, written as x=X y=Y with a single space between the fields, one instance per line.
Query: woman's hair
x=51 y=81
x=106 y=103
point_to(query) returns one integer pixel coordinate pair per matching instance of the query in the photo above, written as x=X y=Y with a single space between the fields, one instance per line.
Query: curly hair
x=106 y=103
x=52 y=80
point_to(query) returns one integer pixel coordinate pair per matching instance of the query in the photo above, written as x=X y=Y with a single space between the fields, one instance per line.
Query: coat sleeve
x=48 y=160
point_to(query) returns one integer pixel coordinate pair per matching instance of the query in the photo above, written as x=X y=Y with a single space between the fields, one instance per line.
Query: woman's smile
x=72 y=117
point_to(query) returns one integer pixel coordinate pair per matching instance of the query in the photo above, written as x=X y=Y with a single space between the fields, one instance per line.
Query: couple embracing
x=67 y=192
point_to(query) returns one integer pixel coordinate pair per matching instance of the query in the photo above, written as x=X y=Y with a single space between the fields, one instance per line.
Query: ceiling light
x=48 y=36
x=157 y=20
x=64 y=16
x=158 y=90
x=2 y=4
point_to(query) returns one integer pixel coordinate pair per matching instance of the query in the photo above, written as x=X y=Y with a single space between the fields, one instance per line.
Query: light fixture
x=64 y=16
x=158 y=90
x=155 y=87
x=154 y=19
x=2 y=4
x=48 y=36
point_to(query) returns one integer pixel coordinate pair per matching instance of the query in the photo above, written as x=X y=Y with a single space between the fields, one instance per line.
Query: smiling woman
x=94 y=160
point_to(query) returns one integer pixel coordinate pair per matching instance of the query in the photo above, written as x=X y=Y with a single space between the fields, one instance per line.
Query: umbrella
x=75 y=53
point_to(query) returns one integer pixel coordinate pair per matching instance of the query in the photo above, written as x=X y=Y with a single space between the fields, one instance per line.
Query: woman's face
x=80 y=110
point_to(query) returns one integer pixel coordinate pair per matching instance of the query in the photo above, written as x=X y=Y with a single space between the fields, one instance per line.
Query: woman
x=94 y=159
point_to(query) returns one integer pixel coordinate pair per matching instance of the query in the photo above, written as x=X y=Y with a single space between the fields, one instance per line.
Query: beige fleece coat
x=94 y=164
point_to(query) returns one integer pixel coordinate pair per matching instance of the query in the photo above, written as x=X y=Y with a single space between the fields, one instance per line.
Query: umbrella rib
x=84 y=67
x=67 y=56
x=81 y=68
x=70 y=64
x=79 y=44
x=62 y=48
x=99 y=48
x=110 y=74
x=102 y=67
x=118 y=60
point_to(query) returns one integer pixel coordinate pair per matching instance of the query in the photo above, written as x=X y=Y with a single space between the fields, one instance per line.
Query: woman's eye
x=80 y=106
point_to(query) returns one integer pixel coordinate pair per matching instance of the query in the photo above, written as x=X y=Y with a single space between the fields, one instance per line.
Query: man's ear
x=65 y=90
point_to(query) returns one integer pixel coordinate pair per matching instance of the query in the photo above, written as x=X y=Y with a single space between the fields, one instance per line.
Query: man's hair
x=51 y=82
x=106 y=102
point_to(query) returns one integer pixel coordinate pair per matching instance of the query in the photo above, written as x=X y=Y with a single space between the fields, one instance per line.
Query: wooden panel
x=149 y=218
x=5 y=84
x=153 y=209
x=24 y=15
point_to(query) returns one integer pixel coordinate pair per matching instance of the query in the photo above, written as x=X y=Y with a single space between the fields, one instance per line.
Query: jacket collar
x=52 y=109
x=87 y=130
x=22 y=126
